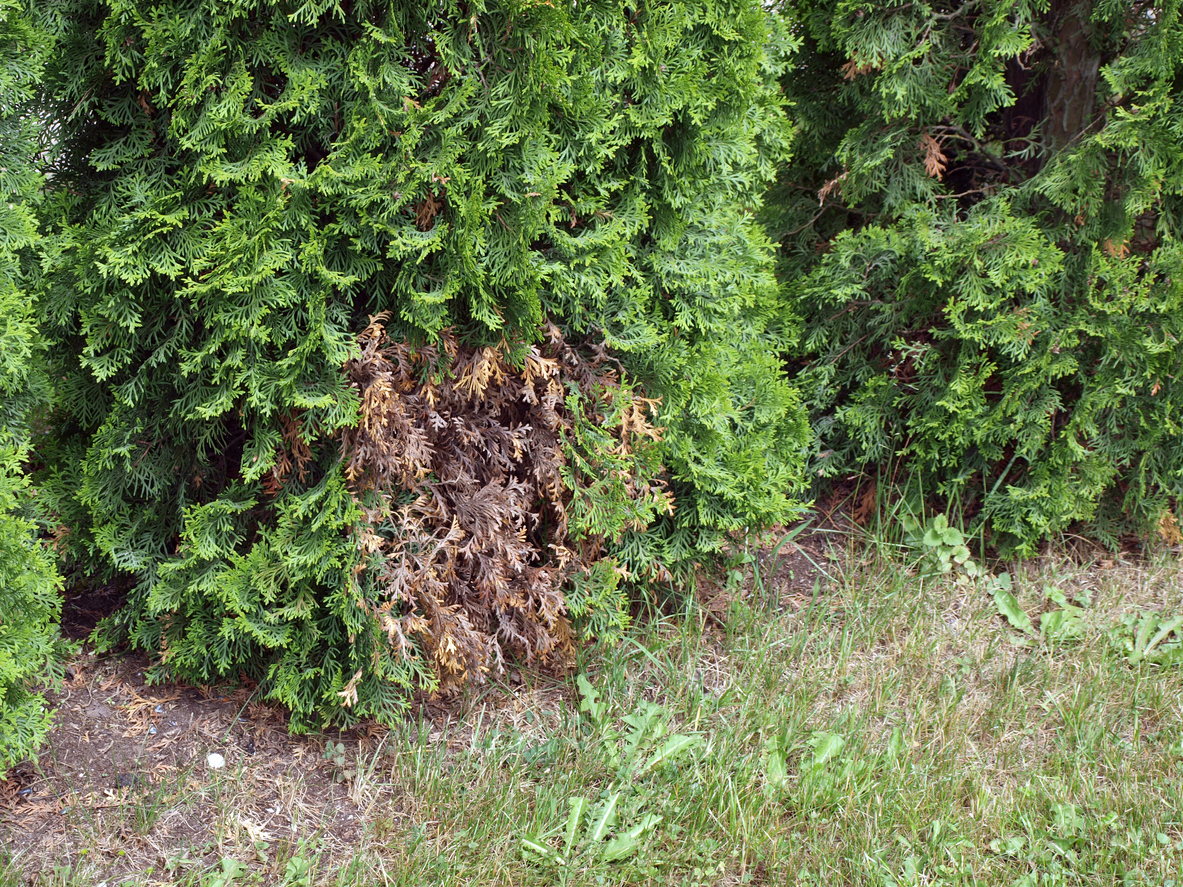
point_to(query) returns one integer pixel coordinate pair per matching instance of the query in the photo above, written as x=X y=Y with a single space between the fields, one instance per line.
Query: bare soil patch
x=783 y=570
x=124 y=788
x=127 y=766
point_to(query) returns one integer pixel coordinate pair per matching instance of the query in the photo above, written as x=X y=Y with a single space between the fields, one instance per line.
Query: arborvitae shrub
x=550 y=209
x=29 y=601
x=29 y=609
x=980 y=229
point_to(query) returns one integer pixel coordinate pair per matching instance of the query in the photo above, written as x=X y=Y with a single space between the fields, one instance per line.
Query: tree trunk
x=1071 y=84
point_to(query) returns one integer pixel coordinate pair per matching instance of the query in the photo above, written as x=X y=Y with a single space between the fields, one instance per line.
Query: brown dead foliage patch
x=458 y=462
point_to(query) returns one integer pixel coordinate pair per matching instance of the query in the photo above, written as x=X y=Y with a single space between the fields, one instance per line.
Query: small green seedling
x=1007 y=604
x=335 y=754
x=298 y=872
x=943 y=548
x=231 y=871
x=1063 y=622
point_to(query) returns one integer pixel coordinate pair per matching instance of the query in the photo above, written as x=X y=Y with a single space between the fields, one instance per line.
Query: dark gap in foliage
x=87 y=602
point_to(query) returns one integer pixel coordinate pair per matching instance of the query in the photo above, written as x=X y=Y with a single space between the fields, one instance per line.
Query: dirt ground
x=122 y=752
x=780 y=570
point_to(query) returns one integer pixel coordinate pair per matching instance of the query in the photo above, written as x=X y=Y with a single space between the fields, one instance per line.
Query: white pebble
x=216 y=761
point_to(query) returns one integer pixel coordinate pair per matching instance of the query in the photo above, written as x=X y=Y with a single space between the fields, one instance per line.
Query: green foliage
x=29 y=610
x=1008 y=605
x=980 y=228
x=334 y=753
x=232 y=870
x=613 y=471
x=943 y=546
x=238 y=187
x=1150 y=637
x=613 y=827
x=29 y=601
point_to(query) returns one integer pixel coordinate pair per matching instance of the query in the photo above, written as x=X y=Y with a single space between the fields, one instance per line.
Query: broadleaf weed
x=613 y=828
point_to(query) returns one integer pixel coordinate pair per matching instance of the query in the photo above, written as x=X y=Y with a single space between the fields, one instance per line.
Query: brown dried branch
x=935 y=161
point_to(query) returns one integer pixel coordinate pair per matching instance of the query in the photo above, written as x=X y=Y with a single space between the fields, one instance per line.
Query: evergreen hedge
x=980 y=229
x=29 y=602
x=521 y=231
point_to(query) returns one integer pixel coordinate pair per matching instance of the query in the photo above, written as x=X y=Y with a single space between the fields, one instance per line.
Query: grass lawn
x=888 y=728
